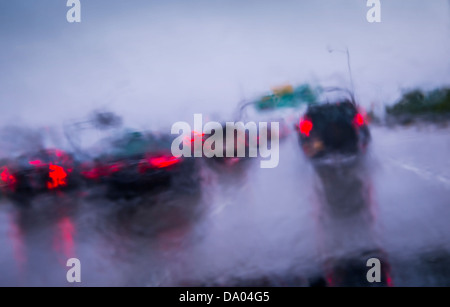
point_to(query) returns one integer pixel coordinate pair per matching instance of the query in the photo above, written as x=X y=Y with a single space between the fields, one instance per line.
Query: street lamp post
x=348 y=66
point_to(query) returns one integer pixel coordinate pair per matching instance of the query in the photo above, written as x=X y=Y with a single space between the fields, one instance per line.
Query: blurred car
x=139 y=163
x=47 y=170
x=242 y=145
x=332 y=130
x=239 y=139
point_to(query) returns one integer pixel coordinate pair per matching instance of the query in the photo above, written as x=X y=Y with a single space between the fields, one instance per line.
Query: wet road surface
x=288 y=226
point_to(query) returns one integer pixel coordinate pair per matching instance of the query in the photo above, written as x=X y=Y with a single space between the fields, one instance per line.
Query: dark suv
x=333 y=129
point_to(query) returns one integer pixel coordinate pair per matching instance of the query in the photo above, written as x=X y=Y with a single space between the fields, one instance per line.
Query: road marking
x=427 y=175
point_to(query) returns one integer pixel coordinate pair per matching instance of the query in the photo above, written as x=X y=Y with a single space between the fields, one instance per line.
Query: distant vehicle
x=333 y=130
x=140 y=163
x=127 y=164
x=242 y=144
x=47 y=170
x=240 y=139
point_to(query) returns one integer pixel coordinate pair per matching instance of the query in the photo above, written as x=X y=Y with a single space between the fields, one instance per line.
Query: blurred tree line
x=418 y=102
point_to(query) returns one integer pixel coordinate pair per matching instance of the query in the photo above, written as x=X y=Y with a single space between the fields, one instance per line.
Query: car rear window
x=337 y=112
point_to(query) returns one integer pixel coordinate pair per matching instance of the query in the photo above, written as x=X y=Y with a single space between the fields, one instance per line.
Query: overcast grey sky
x=156 y=62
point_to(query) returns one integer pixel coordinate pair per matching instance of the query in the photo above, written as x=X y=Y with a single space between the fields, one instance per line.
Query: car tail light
x=8 y=179
x=163 y=161
x=36 y=163
x=58 y=177
x=358 y=120
x=305 y=126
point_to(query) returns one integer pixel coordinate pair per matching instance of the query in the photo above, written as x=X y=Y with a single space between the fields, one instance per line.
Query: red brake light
x=305 y=126
x=358 y=120
x=8 y=178
x=36 y=162
x=57 y=175
x=162 y=161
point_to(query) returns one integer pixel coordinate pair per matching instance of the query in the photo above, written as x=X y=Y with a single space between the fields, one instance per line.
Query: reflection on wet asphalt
x=293 y=225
